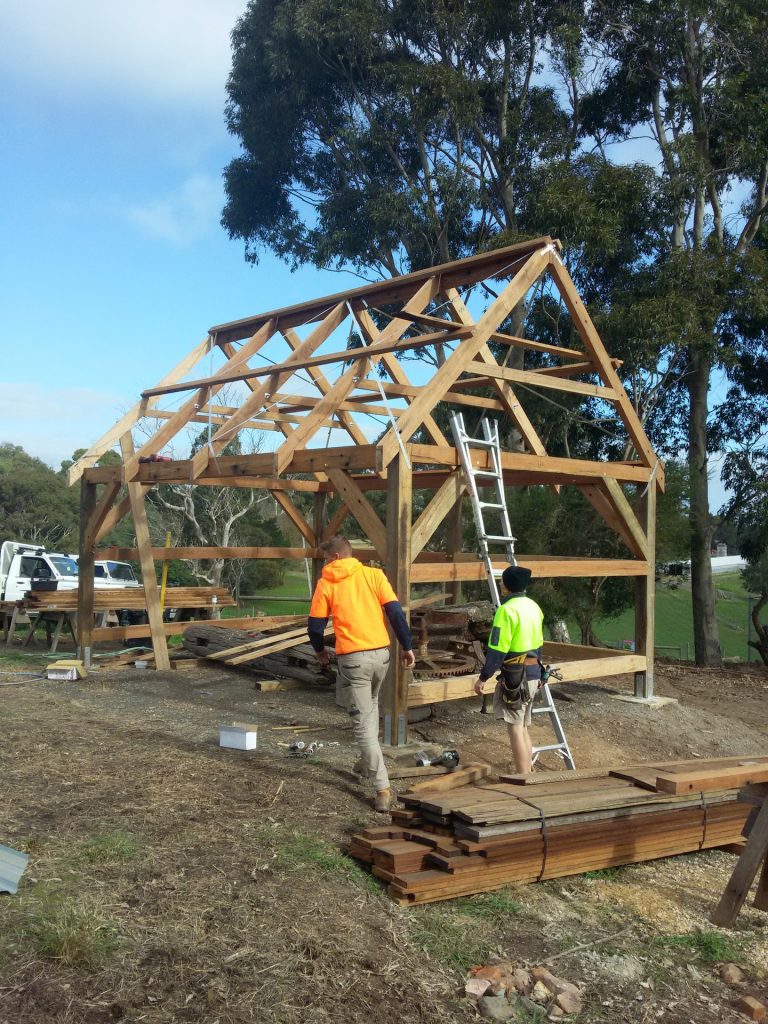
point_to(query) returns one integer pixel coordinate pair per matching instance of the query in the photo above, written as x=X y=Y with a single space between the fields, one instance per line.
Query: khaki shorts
x=504 y=713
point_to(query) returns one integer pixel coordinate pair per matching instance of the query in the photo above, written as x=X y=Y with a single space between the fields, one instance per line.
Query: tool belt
x=514 y=681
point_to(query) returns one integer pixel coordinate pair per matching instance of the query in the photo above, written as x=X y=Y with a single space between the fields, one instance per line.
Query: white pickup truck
x=25 y=567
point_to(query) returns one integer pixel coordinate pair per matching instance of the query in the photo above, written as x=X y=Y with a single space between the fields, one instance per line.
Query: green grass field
x=274 y=602
x=674 y=620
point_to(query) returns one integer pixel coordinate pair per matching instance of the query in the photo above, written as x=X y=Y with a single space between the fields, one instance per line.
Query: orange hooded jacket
x=353 y=595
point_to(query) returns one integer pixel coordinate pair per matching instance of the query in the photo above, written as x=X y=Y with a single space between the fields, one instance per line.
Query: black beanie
x=515 y=578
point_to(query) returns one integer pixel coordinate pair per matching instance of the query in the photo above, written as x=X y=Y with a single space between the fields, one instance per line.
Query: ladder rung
x=551 y=746
x=500 y=539
x=487 y=472
x=490 y=504
x=478 y=442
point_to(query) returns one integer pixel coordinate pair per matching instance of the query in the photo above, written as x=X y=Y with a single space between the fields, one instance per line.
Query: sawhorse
x=753 y=855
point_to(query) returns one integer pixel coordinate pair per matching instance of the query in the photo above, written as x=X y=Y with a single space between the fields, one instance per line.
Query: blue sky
x=113 y=263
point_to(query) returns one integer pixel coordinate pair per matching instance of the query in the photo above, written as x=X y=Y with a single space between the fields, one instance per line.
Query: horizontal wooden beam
x=504 y=339
x=294 y=365
x=543 y=465
x=258 y=622
x=534 y=379
x=434 y=691
x=172 y=554
x=541 y=566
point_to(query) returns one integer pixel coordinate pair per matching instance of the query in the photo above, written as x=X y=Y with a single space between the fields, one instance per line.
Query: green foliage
x=35 y=503
x=74 y=933
x=498 y=907
x=710 y=947
x=109 y=848
x=300 y=851
x=444 y=937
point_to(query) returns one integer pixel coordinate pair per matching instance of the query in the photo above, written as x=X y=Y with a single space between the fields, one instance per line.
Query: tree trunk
x=761 y=631
x=705 y=630
x=558 y=631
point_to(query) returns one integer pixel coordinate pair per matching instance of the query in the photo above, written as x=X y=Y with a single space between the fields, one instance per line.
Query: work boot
x=383 y=801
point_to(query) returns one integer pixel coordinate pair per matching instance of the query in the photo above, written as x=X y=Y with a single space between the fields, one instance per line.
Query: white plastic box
x=238 y=736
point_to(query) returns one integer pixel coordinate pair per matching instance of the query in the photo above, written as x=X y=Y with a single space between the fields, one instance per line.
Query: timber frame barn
x=391 y=317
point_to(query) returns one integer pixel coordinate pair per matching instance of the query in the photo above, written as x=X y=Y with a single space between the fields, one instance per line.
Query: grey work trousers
x=362 y=674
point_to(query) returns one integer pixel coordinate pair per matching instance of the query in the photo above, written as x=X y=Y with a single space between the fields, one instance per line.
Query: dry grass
x=171 y=881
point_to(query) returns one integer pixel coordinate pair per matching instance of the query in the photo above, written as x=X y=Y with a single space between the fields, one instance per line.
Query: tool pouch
x=514 y=692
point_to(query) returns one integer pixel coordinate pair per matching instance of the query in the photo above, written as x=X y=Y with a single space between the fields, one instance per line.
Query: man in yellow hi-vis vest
x=514 y=650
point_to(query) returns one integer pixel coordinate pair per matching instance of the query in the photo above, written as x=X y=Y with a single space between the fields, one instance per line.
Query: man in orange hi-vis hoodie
x=358 y=597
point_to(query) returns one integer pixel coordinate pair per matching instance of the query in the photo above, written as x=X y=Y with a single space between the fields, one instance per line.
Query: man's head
x=336 y=547
x=515 y=579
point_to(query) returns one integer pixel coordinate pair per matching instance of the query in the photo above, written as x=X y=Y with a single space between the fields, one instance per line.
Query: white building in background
x=727 y=563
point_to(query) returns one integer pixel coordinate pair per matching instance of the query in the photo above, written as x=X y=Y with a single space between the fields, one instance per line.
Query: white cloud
x=182 y=217
x=161 y=51
x=52 y=430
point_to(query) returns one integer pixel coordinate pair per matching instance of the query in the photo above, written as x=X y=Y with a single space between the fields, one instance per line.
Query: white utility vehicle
x=25 y=567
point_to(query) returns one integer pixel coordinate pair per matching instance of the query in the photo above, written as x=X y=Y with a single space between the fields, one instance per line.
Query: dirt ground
x=173 y=881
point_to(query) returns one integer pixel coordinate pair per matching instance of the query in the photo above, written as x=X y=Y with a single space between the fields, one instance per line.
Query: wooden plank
x=254 y=645
x=112 y=518
x=434 y=691
x=361 y=509
x=543 y=567
x=100 y=512
x=543 y=465
x=453 y=780
x=86 y=582
x=292 y=366
x=120 y=633
x=398 y=564
x=278 y=645
x=447 y=497
x=323 y=384
x=536 y=380
x=143 y=543
x=645 y=597
x=702 y=781
x=172 y=554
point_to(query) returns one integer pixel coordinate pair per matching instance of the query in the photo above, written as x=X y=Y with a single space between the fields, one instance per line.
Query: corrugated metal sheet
x=12 y=867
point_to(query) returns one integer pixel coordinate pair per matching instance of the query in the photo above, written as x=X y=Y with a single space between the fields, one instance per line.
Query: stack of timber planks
x=129 y=597
x=486 y=835
x=284 y=652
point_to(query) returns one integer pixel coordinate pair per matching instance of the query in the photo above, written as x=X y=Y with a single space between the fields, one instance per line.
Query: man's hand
x=479 y=684
x=323 y=657
x=409 y=659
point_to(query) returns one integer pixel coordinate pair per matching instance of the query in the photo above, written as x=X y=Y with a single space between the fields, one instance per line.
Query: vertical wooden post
x=149 y=579
x=398 y=569
x=645 y=594
x=454 y=528
x=318 y=524
x=85 y=571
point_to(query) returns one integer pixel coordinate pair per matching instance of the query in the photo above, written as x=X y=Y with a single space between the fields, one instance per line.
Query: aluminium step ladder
x=492 y=477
